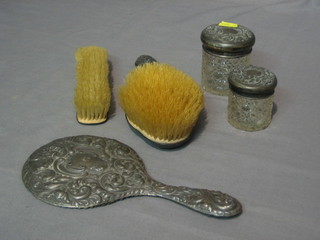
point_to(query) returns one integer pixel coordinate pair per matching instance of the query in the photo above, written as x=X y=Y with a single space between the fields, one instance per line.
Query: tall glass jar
x=224 y=48
x=250 y=101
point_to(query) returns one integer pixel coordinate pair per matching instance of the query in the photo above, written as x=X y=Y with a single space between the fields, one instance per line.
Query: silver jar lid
x=252 y=80
x=228 y=41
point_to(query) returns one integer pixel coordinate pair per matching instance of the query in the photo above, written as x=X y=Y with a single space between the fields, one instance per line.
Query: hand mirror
x=89 y=171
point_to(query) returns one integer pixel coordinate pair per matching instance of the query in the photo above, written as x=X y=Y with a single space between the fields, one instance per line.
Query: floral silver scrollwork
x=254 y=76
x=89 y=171
x=84 y=171
x=226 y=34
x=213 y=203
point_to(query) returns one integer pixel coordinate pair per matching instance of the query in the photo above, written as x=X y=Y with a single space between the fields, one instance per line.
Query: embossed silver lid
x=229 y=41
x=252 y=80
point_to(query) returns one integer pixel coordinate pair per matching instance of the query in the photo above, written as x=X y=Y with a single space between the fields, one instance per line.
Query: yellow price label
x=227 y=24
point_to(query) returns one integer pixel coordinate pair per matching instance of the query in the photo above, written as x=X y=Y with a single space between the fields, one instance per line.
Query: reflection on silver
x=89 y=171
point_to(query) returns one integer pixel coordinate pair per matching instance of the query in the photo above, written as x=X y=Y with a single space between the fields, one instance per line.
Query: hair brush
x=161 y=103
x=92 y=94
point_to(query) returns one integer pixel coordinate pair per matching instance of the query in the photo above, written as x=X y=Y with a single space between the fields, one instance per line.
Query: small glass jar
x=250 y=101
x=224 y=48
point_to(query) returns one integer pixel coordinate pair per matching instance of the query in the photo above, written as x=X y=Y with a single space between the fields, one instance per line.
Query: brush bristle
x=161 y=102
x=92 y=94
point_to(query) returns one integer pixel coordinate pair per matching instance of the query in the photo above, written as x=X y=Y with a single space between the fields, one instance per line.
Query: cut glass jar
x=250 y=101
x=224 y=48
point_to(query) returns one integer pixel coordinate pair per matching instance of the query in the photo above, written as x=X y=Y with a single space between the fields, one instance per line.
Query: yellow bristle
x=92 y=94
x=161 y=102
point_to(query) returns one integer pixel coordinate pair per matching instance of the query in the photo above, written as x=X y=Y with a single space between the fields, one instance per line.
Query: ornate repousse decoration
x=227 y=34
x=239 y=34
x=254 y=76
x=89 y=171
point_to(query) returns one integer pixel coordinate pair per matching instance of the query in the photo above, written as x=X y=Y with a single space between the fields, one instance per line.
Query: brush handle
x=209 y=202
x=144 y=59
